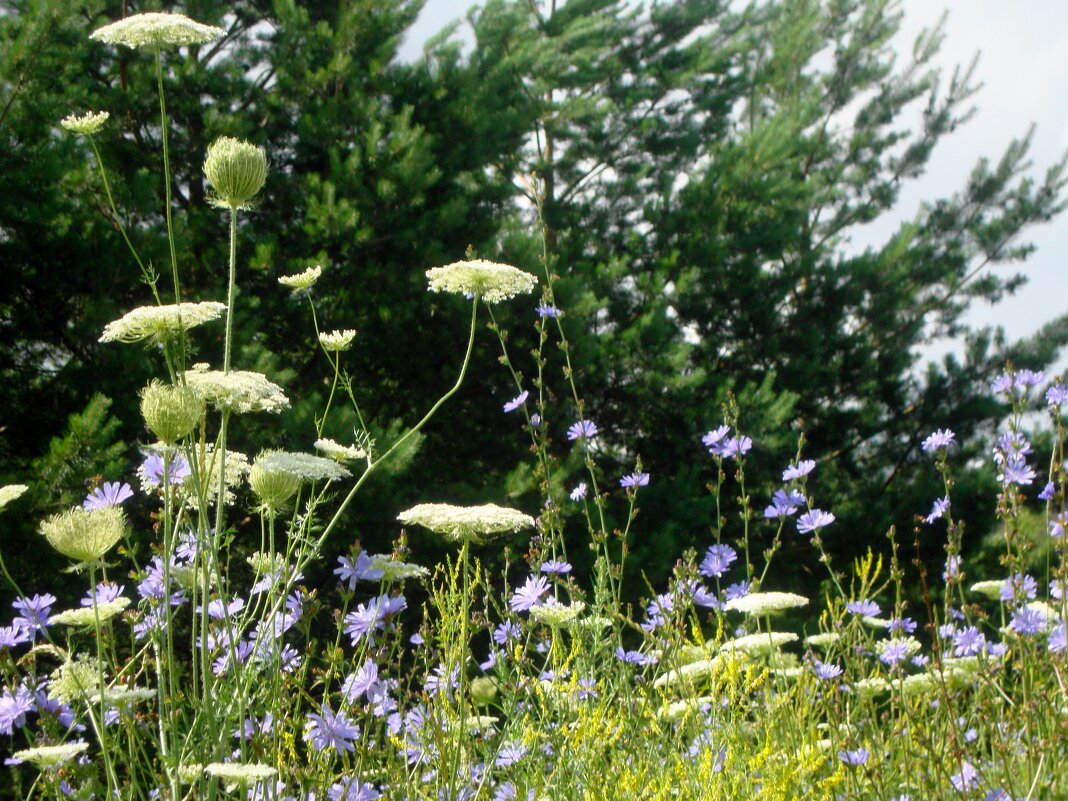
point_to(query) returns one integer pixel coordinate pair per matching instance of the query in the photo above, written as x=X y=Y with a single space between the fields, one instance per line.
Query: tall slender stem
x=167 y=175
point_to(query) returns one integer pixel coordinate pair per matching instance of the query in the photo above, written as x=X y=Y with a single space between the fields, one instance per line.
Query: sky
x=1023 y=69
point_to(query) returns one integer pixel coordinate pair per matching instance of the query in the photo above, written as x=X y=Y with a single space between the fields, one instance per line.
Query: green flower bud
x=273 y=487
x=170 y=412
x=236 y=171
x=85 y=535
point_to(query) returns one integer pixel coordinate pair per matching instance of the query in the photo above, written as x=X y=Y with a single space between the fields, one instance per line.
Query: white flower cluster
x=395 y=570
x=555 y=614
x=153 y=29
x=689 y=674
x=823 y=639
x=249 y=773
x=302 y=466
x=87 y=615
x=339 y=452
x=302 y=280
x=239 y=391
x=160 y=323
x=85 y=535
x=765 y=603
x=759 y=643
x=48 y=756
x=10 y=492
x=466 y=523
x=493 y=282
x=85 y=124
x=336 y=341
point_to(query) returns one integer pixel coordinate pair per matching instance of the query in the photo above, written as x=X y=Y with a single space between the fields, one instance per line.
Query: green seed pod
x=170 y=412
x=85 y=535
x=236 y=171
x=274 y=488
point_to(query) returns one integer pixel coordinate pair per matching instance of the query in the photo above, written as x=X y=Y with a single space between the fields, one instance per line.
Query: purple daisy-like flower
x=799 y=470
x=893 y=652
x=969 y=642
x=967 y=779
x=1027 y=622
x=717 y=561
x=937 y=510
x=634 y=480
x=152 y=470
x=14 y=707
x=737 y=590
x=784 y=504
x=106 y=591
x=1047 y=491
x=813 y=520
x=579 y=492
x=506 y=632
x=735 y=447
x=826 y=672
x=555 y=566
x=855 y=757
x=547 y=310
x=1057 y=395
x=583 y=429
x=362 y=569
x=33 y=612
x=516 y=402
x=529 y=594
x=631 y=657
x=713 y=438
x=1058 y=639
x=1019 y=587
x=10 y=636
x=363 y=682
x=1029 y=378
x=941 y=438
x=112 y=493
x=509 y=754
x=1017 y=471
x=863 y=607
x=351 y=789
x=905 y=625
x=331 y=730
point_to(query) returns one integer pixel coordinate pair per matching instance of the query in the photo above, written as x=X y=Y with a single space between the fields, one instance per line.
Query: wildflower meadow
x=201 y=663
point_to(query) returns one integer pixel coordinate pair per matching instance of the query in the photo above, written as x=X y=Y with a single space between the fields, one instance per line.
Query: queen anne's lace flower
x=161 y=323
x=339 y=452
x=553 y=613
x=335 y=341
x=85 y=535
x=242 y=774
x=989 y=589
x=759 y=643
x=470 y=523
x=302 y=466
x=823 y=639
x=691 y=673
x=48 y=756
x=765 y=603
x=87 y=615
x=85 y=124
x=10 y=492
x=493 y=282
x=395 y=570
x=239 y=390
x=157 y=30
x=303 y=280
